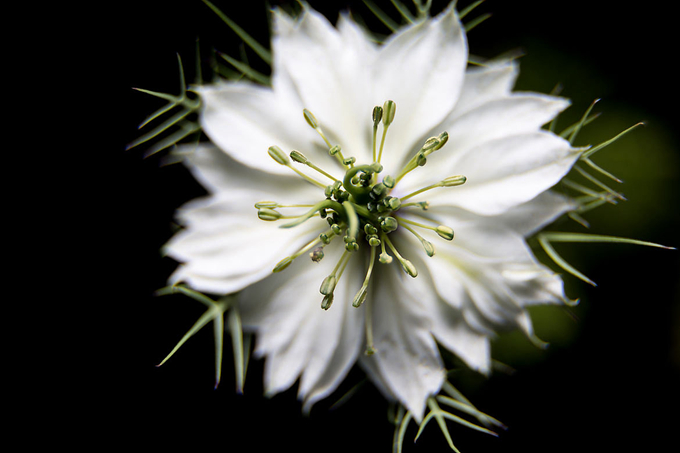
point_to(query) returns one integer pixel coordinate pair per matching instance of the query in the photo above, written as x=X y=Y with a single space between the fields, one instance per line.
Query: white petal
x=297 y=337
x=444 y=309
x=524 y=219
x=330 y=69
x=421 y=68
x=535 y=214
x=222 y=252
x=506 y=172
x=223 y=176
x=244 y=120
x=484 y=84
x=224 y=246
x=406 y=361
x=490 y=121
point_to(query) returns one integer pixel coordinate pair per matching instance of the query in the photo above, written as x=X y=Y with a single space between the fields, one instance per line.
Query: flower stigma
x=359 y=207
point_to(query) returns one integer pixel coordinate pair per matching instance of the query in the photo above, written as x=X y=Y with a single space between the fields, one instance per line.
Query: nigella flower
x=372 y=206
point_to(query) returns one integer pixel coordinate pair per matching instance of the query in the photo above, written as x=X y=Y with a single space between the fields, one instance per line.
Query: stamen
x=360 y=297
x=333 y=150
x=385 y=257
x=408 y=267
x=424 y=205
x=431 y=145
x=427 y=245
x=388 y=111
x=377 y=116
x=328 y=285
x=368 y=313
x=297 y=156
x=442 y=230
x=273 y=204
x=279 y=156
x=284 y=263
x=325 y=204
x=451 y=181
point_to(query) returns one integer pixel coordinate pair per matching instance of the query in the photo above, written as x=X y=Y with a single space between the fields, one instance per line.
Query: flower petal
x=506 y=172
x=296 y=336
x=244 y=120
x=490 y=121
x=330 y=70
x=406 y=362
x=421 y=68
x=223 y=252
x=483 y=84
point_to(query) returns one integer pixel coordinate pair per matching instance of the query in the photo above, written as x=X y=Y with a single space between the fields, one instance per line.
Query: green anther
x=337 y=229
x=385 y=258
x=328 y=285
x=328 y=191
x=377 y=167
x=444 y=232
x=409 y=268
x=383 y=208
x=310 y=118
x=443 y=138
x=278 y=155
x=334 y=150
x=370 y=229
x=421 y=160
x=389 y=110
x=378 y=190
x=297 y=156
x=452 y=181
x=327 y=301
x=431 y=144
x=389 y=224
x=326 y=239
x=268 y=214
x=429 y=248
x=394 y=203
x=389 y=182
x=352 y=246
x=373 y=241
x=266 y=204
x=317 y=254
x=284 y=263
x=377 y=115
x=349 y=161
x=360 y=297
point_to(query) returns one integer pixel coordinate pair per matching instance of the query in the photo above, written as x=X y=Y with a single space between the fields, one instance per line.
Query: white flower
x=474 y=285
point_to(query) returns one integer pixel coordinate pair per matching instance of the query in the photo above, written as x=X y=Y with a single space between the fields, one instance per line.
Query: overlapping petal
x=223 y=247
x=298 y=338
x=422 y=69
x=406 y=363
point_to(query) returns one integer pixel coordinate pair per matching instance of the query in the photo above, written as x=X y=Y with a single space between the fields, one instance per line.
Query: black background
x=614 y=388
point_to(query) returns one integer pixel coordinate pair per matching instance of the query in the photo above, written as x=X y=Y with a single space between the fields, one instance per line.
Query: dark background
x=609 y=381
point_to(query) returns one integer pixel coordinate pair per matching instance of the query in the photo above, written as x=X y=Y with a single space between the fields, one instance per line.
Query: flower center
x=359 y=208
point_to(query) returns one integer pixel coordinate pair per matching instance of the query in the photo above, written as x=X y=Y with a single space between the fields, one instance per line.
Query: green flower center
x=359 y=208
